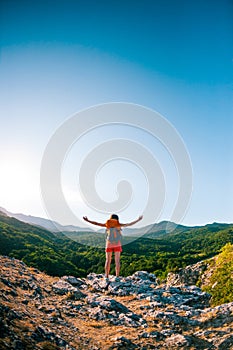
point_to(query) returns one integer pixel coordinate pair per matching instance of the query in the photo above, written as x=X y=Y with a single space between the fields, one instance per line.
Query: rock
x=41 y=333
x=145 y=276
x=187 y=276
x=143 y=286
x=62 y=287
x=74 y=281
x=188 y=295
x=139 y=283
x=112 y=311
x=123 y=343
x=111 y=304
x=218 y=316
x=218 y=339
x=178 y=341
x=224 y=343
x=6 y=282
x=152 y=334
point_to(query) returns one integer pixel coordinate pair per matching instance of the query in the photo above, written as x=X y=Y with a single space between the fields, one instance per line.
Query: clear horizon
x=172 y=57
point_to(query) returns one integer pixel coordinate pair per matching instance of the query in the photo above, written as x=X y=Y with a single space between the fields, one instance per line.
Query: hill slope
x=36 y=246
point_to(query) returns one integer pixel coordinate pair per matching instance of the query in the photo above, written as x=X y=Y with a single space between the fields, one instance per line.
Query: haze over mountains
x=45 y=223
x=53 y=226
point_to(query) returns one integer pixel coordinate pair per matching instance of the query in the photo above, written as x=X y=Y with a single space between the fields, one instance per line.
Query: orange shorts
x=113 y=247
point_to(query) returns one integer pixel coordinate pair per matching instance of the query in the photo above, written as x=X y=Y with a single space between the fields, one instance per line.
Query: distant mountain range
x=53 y=226
x=50 y=225
x=152 y=230
x=161 y=227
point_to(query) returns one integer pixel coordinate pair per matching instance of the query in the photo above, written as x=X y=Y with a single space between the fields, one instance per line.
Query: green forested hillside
x=56 y=254
x=220 y=283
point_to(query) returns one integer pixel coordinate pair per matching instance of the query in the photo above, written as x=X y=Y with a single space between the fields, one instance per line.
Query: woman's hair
x=114 y=216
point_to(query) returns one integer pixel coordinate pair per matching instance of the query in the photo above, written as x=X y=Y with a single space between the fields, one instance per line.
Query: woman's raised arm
x=133 y=222
x=93 y=222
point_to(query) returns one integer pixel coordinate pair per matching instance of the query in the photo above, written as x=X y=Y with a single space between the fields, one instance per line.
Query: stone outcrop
x=135 y=312
x=190 y=275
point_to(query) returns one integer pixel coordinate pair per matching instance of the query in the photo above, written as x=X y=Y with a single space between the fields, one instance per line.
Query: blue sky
x=58 y=57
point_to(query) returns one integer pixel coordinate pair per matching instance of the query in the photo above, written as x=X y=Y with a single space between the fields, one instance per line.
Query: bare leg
x=108 y=263
x=117 y=262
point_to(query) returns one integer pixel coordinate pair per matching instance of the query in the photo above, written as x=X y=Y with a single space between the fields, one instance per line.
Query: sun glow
x=18 y=182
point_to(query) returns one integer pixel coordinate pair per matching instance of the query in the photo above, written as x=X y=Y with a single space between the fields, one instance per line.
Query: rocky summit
x=135 y=312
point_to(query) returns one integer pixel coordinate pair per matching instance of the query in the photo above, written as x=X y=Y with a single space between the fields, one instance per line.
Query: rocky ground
x=41 y=312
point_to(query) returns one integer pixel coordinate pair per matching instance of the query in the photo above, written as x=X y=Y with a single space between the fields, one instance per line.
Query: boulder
x=62 y=287
x=74 y=281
